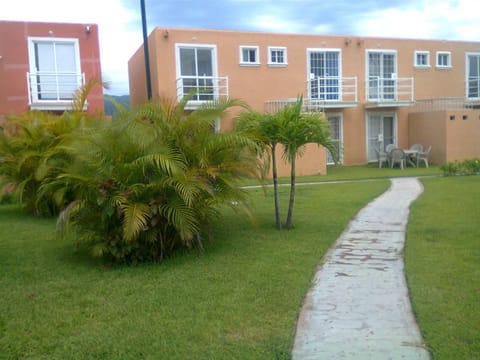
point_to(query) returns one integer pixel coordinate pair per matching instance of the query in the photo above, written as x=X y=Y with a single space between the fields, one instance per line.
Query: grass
x=443 y=266
x=371 y=171
x=238 y=301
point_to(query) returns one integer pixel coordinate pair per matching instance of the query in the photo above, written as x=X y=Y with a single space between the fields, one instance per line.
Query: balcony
x=53 y=91
x=389 y=92
x=201 y=89
x=331 y=92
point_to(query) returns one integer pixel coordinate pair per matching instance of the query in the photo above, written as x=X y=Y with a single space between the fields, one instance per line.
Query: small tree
x=266 y=129
x=298 y=129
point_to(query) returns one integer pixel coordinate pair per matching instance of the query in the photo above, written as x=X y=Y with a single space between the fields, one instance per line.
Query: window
x=324 y=70
x=444 y=59
x=54 y=69
x=381 y=75
x=277 y=56
x=336 y=130
x=422 y=59
x=196 y=72
x=249 y=55
x=473 y=75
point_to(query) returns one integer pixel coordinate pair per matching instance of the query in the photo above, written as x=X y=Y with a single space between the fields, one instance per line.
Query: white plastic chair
x=381 y=156
x=397 y=156
x=423 y=155
x=388 y=149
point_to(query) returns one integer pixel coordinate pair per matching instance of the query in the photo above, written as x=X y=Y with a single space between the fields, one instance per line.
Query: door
x=473 y=76
x=335 y=121
x=382 y=75
x=381 y=132
x=55 y=69
x=196 y=72
x=324 y=70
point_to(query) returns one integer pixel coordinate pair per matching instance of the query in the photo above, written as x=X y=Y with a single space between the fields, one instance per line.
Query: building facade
x=42 y=64
x=374 y=91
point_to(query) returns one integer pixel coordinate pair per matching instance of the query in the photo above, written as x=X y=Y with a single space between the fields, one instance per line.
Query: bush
x=466 y=167
x=150 y=182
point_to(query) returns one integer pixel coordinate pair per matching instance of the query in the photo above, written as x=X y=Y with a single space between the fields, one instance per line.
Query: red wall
x=14 y=63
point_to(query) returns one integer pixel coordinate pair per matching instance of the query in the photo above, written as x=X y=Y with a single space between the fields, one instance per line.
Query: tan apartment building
x=374 y=91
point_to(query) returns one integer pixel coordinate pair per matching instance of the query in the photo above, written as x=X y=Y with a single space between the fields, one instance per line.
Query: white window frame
x=178 y=70
x=340 y=67
x=415 y=59
x=249 y=63
x=442 y=66
x=467 y=73
x=32 y=40
x=340 y=138
x=367 y=72
x=271 y=62
x=367 y=129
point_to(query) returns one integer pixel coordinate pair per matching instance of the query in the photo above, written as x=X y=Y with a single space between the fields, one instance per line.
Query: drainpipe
x=145 y=50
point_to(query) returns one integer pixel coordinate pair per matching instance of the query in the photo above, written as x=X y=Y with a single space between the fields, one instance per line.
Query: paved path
x=358 y=307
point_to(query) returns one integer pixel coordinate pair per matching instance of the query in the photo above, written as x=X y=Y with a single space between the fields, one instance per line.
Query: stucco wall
x=14 y=61
x=259 y=84
x=454 y=135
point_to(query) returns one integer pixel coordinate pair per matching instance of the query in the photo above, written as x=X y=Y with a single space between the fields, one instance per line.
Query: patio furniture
x=382 y=157
x=423 y=156
x=397 y=156
x=412 y=153
x=388 y=149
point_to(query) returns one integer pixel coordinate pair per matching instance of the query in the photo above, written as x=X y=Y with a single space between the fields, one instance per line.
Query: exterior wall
x=14 y=60
x=429 y=128
x=259 y=84
x=453 y=134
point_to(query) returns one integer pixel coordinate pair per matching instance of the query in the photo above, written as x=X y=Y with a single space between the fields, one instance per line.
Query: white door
x=55 y=67
x=382 y=75
x=324 y=78
x=380 y=133
x=336 y=129
x=473 y=76
x=196 y=72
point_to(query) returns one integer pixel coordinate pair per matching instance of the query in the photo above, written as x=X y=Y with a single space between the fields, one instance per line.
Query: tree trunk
x=289 y=221
x=278 y=220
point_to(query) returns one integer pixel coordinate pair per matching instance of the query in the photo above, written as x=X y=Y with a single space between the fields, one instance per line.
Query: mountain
x=123 y=100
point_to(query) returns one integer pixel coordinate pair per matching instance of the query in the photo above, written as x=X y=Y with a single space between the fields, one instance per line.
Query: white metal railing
x=202 y=88
x=473 y=87
x=380 y=89
x=46 y=87
x=333 y=89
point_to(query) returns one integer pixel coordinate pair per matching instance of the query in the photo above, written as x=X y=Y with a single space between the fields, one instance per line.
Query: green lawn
x=443 y=266
x=238 y=301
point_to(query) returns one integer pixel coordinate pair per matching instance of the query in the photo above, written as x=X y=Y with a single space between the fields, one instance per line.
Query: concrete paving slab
x=358 y=306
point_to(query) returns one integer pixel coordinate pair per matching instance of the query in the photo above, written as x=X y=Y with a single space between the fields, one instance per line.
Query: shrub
x=32 y=153
x=150 y=182
x=466 y=167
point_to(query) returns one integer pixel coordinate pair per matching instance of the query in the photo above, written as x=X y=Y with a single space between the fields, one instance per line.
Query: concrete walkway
x=358 y=307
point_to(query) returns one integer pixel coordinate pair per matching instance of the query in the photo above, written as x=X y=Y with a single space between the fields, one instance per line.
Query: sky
x=120 y=25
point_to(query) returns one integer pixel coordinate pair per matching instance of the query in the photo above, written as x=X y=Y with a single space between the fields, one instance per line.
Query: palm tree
x=265 y=129
x=153 y=180
x=300 y=128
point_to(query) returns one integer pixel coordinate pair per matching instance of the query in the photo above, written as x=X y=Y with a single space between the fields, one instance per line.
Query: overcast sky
x=121 y=32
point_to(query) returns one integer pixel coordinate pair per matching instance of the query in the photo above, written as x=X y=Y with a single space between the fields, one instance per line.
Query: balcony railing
x=389 y=91
x=201 y=89
x=53 y=90
x=473 y=87
x=333 y=90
